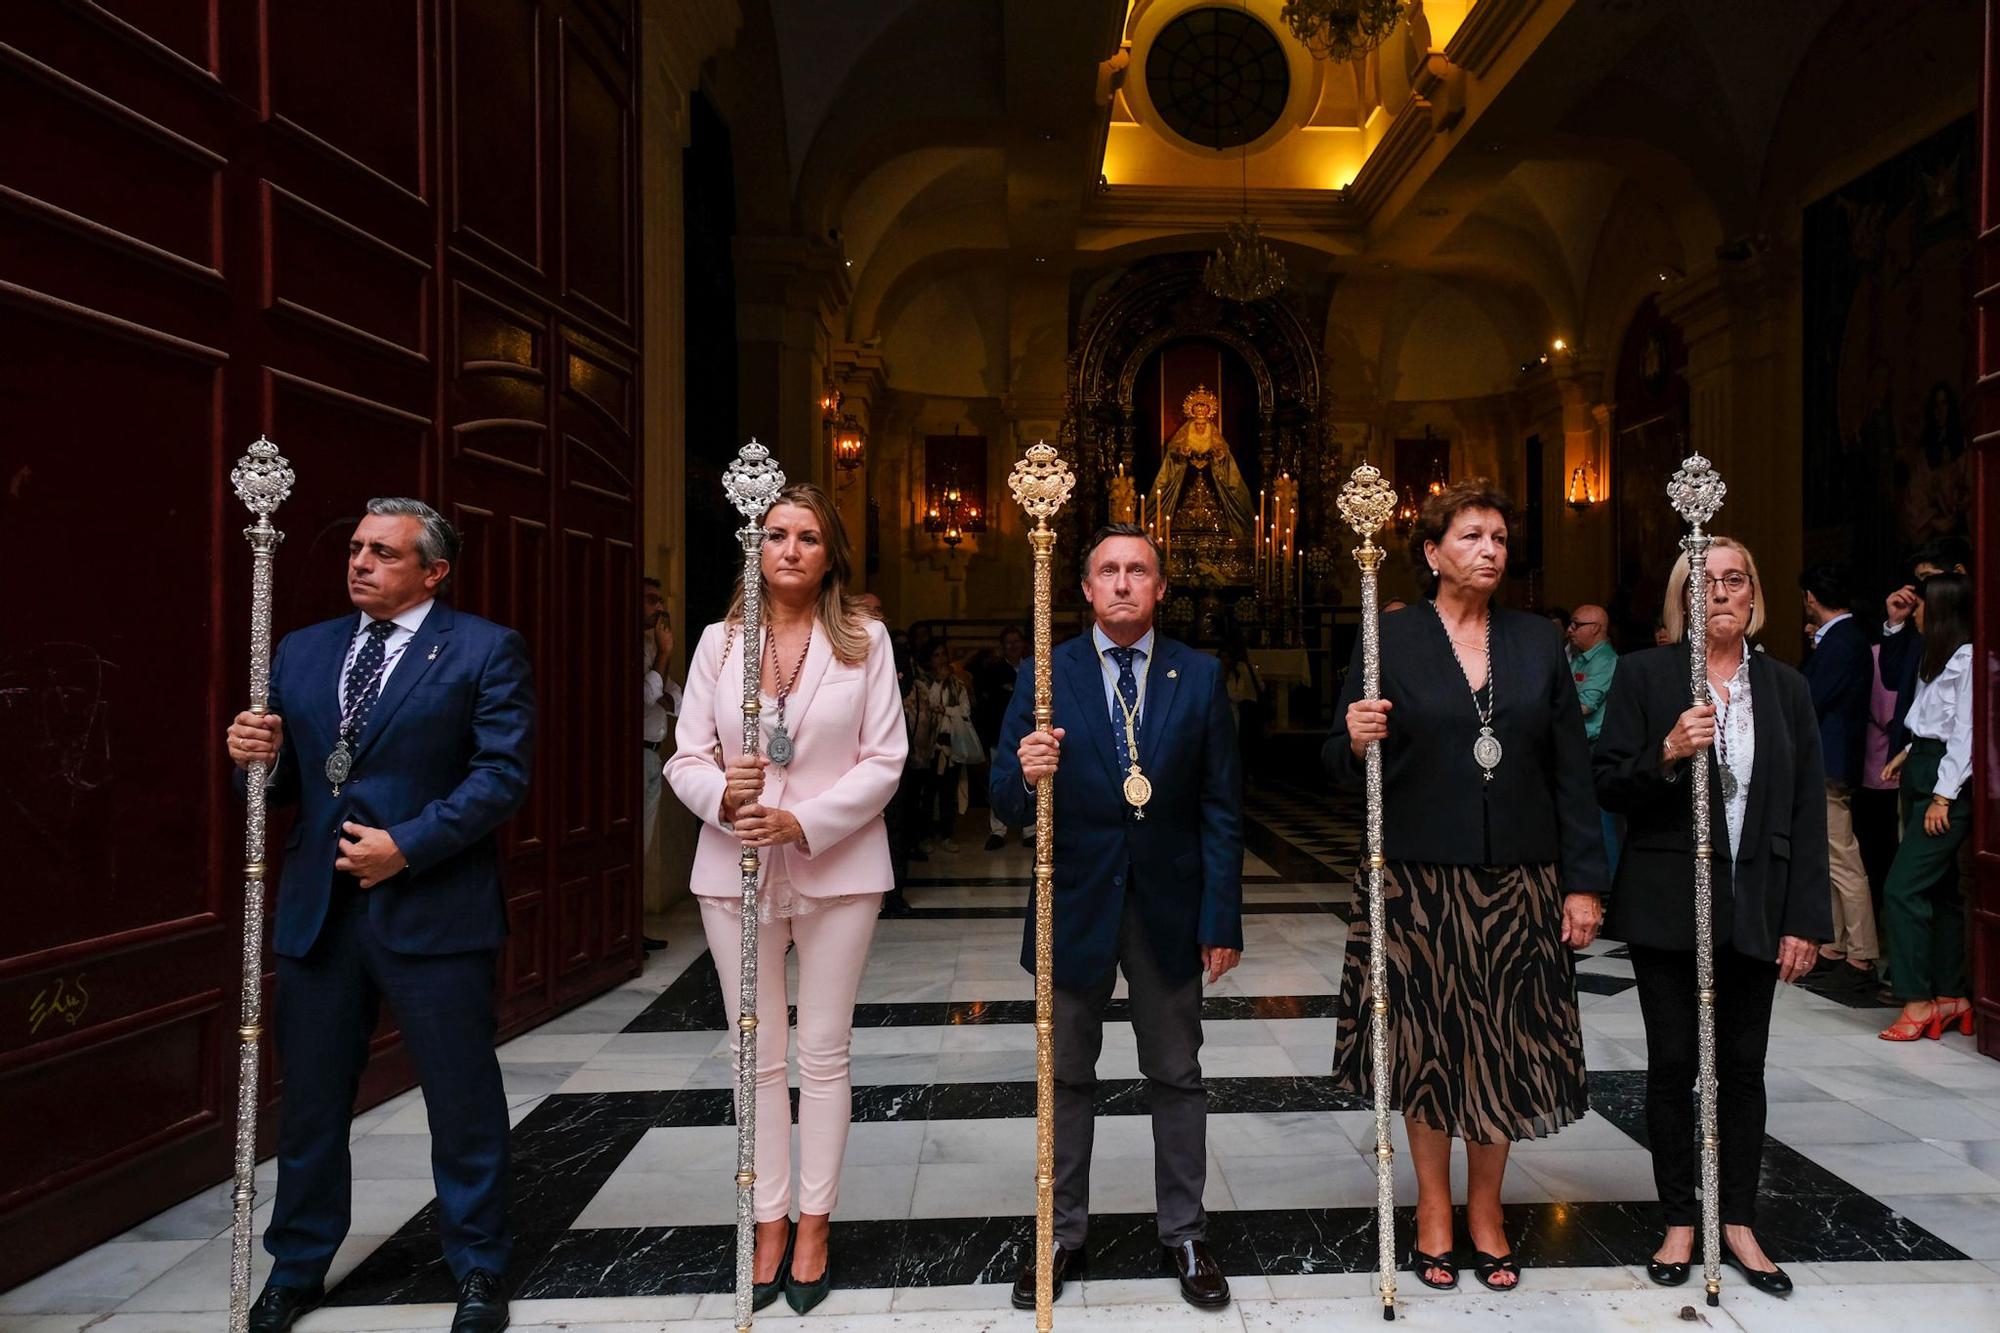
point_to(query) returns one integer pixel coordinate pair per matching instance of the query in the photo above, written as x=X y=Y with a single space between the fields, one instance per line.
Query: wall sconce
x=1581 y=495
x=849 y=444
x=829 y=403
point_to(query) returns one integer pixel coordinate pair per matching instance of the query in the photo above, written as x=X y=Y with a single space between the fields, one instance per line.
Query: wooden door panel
x=496 y=149
x=353 y=80
x=189 y=33
x=596 y=169
x=159 y=192
x=395 y=235
x=330 y=273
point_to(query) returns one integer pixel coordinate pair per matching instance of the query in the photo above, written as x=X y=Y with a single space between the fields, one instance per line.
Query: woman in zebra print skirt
x=1495 y=873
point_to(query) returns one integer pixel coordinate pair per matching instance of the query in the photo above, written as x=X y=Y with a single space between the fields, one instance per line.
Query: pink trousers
x=832 y=944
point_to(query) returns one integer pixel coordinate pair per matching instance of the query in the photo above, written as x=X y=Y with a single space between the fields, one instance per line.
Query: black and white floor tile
x=1882 y=1174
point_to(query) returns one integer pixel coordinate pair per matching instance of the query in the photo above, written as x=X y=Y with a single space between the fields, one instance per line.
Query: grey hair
x=437 y=539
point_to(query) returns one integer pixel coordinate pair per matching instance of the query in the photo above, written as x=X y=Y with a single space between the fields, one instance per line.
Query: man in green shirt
x=1592 y=661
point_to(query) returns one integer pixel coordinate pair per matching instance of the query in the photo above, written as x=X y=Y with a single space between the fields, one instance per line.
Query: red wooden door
x=1985 y=934
x=398 y=236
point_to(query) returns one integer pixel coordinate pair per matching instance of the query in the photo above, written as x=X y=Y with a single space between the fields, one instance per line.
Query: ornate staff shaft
x=1366 y=503
x=1696 y=493
x=1041 y=484
x=752 y=483
x=263 y=479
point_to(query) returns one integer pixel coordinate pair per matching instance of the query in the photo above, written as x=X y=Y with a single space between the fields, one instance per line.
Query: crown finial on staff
x=1367 y=501
x=1041 y=482
x=753 y=481
x=262 y=478
x=1696 y=491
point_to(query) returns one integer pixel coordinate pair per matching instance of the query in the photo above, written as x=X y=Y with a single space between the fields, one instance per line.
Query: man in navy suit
x=405 y=735
x=1840 y=673
x=1148 y=878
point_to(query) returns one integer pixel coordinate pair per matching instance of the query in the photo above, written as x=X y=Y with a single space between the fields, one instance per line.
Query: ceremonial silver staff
x=263 y=479
x=1041 y=484
x=1696 y=493
x=752 y=484
x=1367 y=502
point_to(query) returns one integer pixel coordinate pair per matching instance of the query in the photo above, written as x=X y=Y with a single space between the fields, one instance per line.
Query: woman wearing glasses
x=1767 y=821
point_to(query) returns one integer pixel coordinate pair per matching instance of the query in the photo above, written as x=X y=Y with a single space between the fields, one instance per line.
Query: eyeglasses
x=1733 y=582
x=1584 y=624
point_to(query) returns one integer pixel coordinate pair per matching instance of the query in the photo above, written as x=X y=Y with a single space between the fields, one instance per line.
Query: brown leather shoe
x=1068 y=1264
x=1202 y=1283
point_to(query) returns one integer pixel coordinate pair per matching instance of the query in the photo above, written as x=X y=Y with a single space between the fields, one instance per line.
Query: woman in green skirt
x=1923 y=904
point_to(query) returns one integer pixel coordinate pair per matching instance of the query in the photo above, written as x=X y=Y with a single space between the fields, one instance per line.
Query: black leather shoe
x=278 y=1308
x=1202 y=1283
x=994 y=842
x=482 y=1304
x=1666 y=1274
x=652 y=945
x=1771 y=1281
x=1068 y=1264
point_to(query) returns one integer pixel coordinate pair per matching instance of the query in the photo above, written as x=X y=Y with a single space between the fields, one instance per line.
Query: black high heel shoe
x=763 y=1293
x=1771 y=1281
x=803 y=1296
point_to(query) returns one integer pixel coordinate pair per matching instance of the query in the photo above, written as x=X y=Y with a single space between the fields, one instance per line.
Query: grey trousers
x=1166 y=1018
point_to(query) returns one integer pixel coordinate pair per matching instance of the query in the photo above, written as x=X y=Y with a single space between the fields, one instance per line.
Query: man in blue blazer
x=1148 y=878
x=1840 y=672
x=405 y=736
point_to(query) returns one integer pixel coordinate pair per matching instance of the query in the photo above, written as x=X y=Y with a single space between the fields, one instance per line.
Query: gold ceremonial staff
x=752 y=484
x=1367 y=502
x=1041 y=484
x=263 y=480
x=1696 y=493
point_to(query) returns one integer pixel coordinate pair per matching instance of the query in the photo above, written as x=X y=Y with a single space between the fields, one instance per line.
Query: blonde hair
x=1674 y=614
x=839 y=613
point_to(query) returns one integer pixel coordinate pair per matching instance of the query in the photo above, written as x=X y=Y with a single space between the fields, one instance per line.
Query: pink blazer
x=846 y=723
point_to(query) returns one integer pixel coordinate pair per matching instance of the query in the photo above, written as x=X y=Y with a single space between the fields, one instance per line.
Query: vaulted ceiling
x=1500 y=144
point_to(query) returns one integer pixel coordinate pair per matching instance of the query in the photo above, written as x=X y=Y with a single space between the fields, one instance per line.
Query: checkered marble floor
x=1881 y=1179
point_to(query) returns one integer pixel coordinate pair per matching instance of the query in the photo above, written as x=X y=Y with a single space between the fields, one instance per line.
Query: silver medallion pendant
x=780 y=749
x=1729 y=785
x=339 y=763
x=1486 y=752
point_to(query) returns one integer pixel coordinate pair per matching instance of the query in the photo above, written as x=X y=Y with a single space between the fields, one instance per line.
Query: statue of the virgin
x=1198 y=459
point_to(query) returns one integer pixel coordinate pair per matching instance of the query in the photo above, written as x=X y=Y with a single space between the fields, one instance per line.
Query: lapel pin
x=1173 y=674
x=434 y=652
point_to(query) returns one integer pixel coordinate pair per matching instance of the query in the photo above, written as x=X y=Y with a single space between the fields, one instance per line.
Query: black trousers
x=1744 y=989
x=1166 y=1020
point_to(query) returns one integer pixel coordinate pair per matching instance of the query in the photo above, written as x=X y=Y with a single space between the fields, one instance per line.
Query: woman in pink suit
x=833 y=716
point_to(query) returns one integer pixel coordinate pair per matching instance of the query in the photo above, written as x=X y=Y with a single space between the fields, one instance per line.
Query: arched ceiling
x=929 y=135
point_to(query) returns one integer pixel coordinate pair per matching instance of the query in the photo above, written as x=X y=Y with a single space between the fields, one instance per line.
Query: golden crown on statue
x=1200 y=395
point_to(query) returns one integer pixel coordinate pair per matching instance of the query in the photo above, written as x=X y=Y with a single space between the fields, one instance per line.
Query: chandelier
x=1244 y=267
x=1342 y=30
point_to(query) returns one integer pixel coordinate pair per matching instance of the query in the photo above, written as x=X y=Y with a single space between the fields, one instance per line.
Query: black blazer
x=1779 y=884
x=1840 y=673
x=1902 y=654
x=1437 y=808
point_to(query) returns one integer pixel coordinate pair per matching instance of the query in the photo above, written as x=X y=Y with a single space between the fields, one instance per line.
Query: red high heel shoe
x=1941 y=1021
x=1910 y=1029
